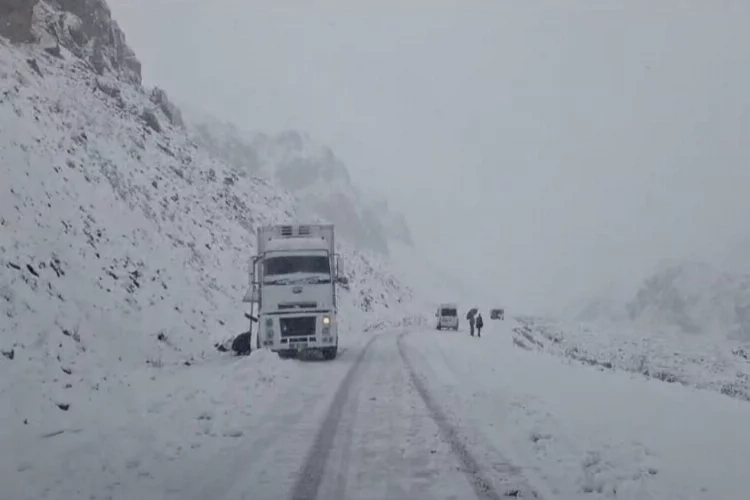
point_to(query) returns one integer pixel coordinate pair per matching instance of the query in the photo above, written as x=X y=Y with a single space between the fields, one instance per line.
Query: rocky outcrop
x=16 y=19
x=86 y=28
x=174 y=115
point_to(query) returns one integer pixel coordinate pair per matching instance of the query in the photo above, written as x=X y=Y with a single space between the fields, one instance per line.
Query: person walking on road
x=471 y=325
x=480 y=324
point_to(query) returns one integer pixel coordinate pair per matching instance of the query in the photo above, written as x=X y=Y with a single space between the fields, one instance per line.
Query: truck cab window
x=318 y=265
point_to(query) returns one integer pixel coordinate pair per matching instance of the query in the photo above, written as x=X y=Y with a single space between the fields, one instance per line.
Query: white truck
x=447 y=316
x=293 y=281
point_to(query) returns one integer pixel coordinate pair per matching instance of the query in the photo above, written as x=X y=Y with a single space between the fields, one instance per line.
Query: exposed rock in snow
x=174 y=115
x=15 y=19
x=86 y=29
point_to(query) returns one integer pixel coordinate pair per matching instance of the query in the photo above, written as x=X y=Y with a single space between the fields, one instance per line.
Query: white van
x=447 y=317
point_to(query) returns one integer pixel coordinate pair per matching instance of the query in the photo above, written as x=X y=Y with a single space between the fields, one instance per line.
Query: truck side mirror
x=251 y=317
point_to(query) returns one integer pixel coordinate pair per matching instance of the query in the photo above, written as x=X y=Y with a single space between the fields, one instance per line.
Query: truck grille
x=297 y=327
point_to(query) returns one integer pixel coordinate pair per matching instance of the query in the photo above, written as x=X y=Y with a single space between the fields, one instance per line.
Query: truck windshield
x=291 y=269
x=448 y=312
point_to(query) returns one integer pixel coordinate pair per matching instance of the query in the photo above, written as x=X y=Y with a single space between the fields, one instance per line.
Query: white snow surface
x=577 y=432
x=123 y=258
x=232 y=428
x=705 y=362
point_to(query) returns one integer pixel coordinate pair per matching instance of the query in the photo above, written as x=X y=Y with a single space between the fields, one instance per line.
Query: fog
x=543 y=151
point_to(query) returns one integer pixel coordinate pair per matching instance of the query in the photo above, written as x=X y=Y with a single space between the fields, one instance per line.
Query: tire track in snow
x=482 y=485
x=311 y=475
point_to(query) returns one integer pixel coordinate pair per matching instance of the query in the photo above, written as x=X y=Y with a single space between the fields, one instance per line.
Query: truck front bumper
x=298 y=331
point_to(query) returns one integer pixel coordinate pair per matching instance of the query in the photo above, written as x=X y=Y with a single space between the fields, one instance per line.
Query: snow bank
x=702 y=362
x=575 y=431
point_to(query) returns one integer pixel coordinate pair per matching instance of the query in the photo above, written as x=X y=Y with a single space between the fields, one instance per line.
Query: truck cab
x=293 y=282
x=447 y=317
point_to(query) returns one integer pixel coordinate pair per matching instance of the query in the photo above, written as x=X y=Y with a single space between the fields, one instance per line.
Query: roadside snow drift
x=576 y=432
x=701 y=361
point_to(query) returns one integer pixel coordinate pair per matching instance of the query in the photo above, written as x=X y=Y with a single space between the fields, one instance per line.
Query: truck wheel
x=330 y=352
x=438 y=327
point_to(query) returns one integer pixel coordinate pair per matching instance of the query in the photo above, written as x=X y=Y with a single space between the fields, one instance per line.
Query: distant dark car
x=497 y=314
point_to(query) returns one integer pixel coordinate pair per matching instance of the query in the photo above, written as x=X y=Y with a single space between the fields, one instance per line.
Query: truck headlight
x=326 y=320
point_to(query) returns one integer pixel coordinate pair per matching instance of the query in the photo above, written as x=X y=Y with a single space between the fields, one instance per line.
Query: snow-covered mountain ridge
x=311 y=171
x=688 y=323
x=123 y=243
x=683 y=297
x=695 y=298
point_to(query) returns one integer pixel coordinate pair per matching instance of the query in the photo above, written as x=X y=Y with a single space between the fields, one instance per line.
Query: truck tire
x=330 y=352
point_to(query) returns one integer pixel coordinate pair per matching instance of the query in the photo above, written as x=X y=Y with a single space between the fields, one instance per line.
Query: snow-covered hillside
x=321 y=184
x=699 y=361
x=682 y=297
x=319 y=180
x=689 y=324
x=123 y=244
x=695 y=298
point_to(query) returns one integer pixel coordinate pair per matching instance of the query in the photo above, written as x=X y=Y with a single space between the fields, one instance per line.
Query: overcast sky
x=543 y=149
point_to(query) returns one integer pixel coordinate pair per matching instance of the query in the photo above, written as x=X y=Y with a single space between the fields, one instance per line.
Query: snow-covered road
x=576 y=431
x=402 y=414
x=362 y=430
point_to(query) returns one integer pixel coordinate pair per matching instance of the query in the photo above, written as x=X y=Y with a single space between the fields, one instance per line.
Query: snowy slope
x=688 y=324
x=123 y=244
x=311 y=171
x=700 y=361
x=684 y=297
x=695 y=298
